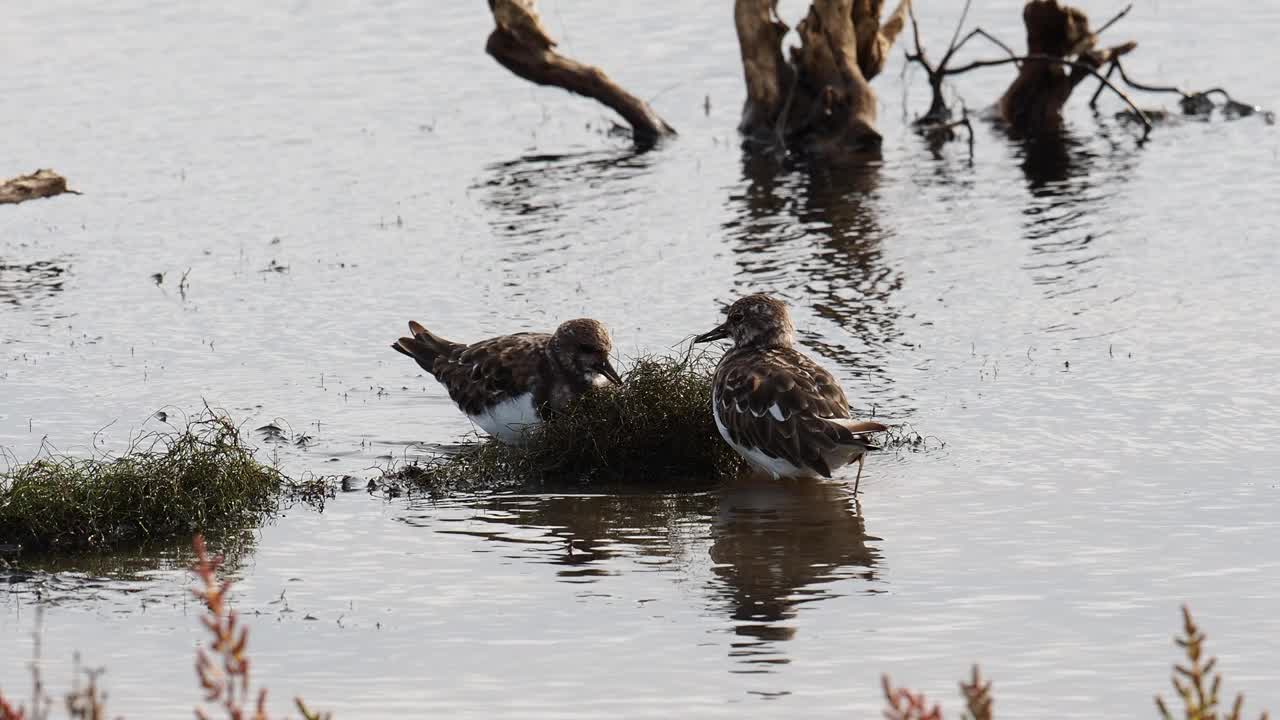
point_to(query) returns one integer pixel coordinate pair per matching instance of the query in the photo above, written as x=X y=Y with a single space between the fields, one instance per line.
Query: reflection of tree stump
x=821 y=100
x=521 y=44
x=1055 y=33
x=39 y=184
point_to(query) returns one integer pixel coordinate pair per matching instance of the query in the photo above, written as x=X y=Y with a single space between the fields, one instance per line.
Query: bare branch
x=1147 y=88
x=1075 y=66
x=1093 y=99
x=952 y=46
x=1193 y=102
x=1113 y=20
x=938 y=110
x=994 y=40
x=520 y=43
x=915 y=32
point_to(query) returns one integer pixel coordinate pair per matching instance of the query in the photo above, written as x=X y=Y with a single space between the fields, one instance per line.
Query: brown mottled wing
x=755 y=387
x=487 y=372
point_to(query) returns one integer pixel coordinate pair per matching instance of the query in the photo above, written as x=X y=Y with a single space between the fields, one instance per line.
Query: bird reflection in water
x=778 y=544
x=581 y=534
x=774 y=545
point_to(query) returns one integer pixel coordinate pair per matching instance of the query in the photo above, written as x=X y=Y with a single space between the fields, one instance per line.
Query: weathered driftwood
x=39 y=184
x=1060 y=54
x=819 y=100
x=522 y=45
x=1034 y=103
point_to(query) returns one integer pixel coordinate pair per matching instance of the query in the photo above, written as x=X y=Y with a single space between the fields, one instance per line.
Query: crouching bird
x=782 y=412
x=505 y=384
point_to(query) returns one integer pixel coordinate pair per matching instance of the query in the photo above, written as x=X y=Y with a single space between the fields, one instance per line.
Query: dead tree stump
x=39 y=184
x=820 y=100
x=522 y=45
x=1060 y=53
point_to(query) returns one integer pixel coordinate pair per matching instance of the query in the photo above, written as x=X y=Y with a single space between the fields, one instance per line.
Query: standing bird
x=778 y=409
x=505 y=384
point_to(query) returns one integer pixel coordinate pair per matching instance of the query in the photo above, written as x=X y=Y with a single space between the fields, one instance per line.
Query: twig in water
x=938 y=110
x=955 y=34
x=1093 y=100
x=994 y=40
x=1114 y=20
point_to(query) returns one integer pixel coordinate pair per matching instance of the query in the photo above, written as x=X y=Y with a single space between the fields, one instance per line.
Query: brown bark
x=821 y=99
x=1033 y=103
x=844 y=109
x=522 y=45
x=39 y=184
x=766 y=72
x=875 y=39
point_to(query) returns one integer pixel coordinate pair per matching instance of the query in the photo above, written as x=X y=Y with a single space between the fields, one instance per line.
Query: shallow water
x=1090 y=328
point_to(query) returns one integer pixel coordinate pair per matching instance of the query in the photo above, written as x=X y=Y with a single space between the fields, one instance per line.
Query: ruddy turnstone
x=778 y=409
x=503 y=384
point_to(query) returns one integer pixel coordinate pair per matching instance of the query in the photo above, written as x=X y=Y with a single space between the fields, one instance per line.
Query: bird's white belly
x=777 y=467
x=510 y=420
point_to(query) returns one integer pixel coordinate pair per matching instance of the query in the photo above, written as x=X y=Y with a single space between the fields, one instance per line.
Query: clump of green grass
x=656 y=426
x=170 y=484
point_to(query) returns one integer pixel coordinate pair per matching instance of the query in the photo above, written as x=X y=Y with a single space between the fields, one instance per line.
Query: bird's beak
x=720 y=332
x=607 y=370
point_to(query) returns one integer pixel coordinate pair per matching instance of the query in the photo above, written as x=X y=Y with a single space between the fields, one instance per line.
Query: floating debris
x=39 y=184
x=904 y=436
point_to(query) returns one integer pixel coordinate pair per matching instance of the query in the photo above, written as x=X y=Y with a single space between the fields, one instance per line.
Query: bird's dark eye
x=735 y=316
x=586 y=349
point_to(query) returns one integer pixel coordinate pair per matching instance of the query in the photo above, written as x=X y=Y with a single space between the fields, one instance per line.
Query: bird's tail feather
x=424 y=347
x=855 y=432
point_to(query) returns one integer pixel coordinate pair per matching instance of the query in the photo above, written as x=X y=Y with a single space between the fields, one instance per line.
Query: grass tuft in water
x=656 y=426
x=168 y=484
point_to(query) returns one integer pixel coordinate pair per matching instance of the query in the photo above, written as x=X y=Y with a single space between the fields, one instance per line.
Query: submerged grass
x=656 y=426
x=201 y=477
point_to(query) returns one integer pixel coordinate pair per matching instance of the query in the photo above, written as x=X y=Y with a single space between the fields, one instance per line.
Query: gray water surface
x=1089 y=329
